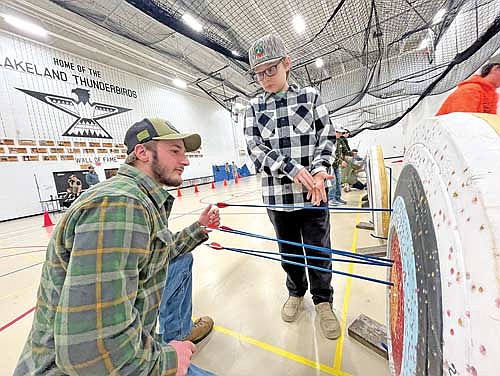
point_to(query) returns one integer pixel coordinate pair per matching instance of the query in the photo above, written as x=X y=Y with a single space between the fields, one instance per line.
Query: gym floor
x=243 y=294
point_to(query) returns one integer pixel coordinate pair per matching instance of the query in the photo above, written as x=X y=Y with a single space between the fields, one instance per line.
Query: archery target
x=444 y=308
x=378 y=192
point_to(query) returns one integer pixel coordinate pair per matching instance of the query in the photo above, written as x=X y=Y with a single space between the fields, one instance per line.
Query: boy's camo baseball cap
x=267 y=49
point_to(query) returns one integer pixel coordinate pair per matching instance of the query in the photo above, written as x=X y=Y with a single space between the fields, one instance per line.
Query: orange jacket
x=472 y=95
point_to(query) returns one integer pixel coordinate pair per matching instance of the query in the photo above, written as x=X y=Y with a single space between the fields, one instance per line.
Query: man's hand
x=318 y=193
x=209 y=217
x=343 y=163
x=304 y=178
x=184 y=350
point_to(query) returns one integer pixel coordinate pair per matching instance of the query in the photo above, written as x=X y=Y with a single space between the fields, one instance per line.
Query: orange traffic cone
x=225 y=183
x=236 y=180
x=213 y=185
x=238 y=175
x=47 y=222
x=196 y=189
x=179 y=194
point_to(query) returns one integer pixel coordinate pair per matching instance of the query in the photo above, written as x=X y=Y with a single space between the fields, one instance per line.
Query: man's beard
x=158 y=176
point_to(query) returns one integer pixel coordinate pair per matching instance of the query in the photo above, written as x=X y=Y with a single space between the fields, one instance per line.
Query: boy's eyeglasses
x=269 y=72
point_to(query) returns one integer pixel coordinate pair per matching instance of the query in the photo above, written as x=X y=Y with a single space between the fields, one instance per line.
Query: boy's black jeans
x=308 y=227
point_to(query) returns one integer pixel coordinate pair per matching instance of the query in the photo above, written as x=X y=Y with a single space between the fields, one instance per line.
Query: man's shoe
x=328 y=321
x=342 y=202
x=201 y=328
x=365 y=197
x=290 y=310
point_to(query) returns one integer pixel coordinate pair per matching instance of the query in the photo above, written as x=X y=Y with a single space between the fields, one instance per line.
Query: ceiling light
x=25 y=26
x=235 y=53
x=319 y=62
x=439 y=16
x=299 y=24
x=181 y=84
x=192 y=22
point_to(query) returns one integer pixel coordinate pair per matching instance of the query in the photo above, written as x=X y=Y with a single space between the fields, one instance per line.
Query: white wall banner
x=62 y=112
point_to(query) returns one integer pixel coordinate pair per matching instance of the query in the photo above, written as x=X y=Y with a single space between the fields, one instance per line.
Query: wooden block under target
x=365 y=226
x=376 y=250
x=370 y=333
x=444 y=307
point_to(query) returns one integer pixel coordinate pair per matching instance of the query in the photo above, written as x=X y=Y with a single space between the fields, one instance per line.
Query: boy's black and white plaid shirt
x=284 y=134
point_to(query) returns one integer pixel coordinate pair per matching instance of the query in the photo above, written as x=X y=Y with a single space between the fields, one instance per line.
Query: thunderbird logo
x=86 y=113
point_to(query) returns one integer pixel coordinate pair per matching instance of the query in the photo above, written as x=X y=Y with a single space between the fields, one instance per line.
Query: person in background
x=341 y=152
x=74 y=187
x=91 y=177
x=350 y=173
x=355 y=155
x=235 y=170
x=476 y=94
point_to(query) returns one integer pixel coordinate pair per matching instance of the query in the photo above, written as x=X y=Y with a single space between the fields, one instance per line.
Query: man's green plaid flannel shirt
x=102 y=282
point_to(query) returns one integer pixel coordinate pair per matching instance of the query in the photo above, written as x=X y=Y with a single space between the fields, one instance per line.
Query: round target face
x=414 y=308
x=444 y=308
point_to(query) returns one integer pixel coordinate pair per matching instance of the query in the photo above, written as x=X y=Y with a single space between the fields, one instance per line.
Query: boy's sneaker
x=328 y=322
x=341 y=202
x=291 y=308
x=333 y=203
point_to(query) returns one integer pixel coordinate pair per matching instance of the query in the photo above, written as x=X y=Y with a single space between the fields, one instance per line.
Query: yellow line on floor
x=286 y=354
x=337 y=362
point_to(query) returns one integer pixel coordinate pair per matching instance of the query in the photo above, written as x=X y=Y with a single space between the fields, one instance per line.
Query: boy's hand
x=318 y=193
x=304 y=178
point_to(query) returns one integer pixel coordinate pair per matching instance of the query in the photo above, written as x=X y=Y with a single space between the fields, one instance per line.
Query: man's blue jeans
x=176 y=305
x=336 y=191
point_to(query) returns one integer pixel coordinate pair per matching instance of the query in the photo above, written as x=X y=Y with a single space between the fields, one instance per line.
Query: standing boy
x=289 y=138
